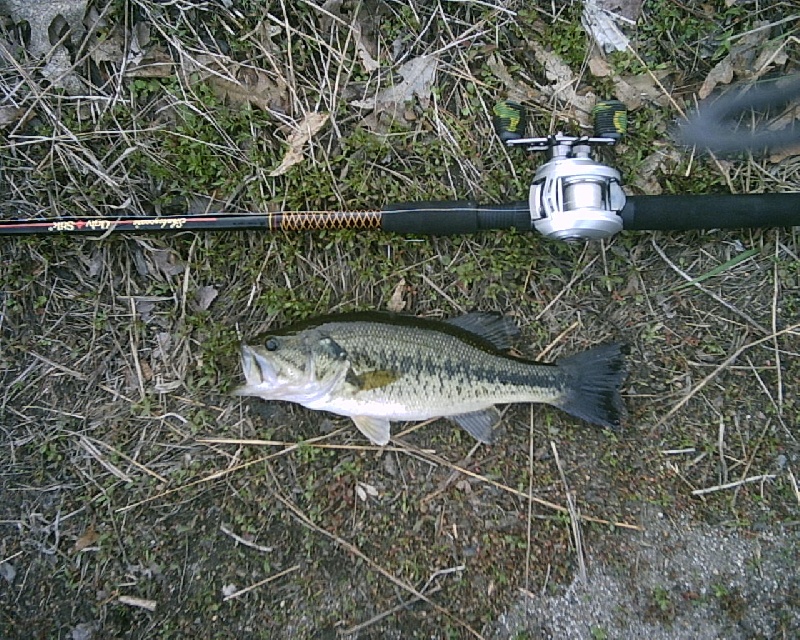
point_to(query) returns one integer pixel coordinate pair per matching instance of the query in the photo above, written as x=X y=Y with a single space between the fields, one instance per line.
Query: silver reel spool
x=573 y=197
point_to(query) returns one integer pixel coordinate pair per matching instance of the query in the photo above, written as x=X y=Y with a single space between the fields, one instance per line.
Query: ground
x=139 y=499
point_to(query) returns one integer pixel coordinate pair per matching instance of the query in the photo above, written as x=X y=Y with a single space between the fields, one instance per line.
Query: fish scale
x=379 y=368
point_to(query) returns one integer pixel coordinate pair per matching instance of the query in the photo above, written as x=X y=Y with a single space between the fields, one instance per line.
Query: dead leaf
x=362 y=26
x=656 y=164
x=601 y=24
x=634 y=91
x=164 y=344
x=10 y=115
x=236 y=83
x=205 y=296
x=311 y=123
x=419 y=75
x=167 y=262
x=251 y=85
x=40 y=16
x=145 y=309
x=96 y=262
x=7 y=571
x=43 y=18
x=721 y=73
x=563 y=83
x=555 y=69
x=86 y=540
x=162 y=386
x=517 y=91
x=397 y=303
x=147 y=371
x=772 y=55
x=60 y=72
x=630 y=10
x=599 y=67
x=363 y=490
x=369 y=63
x=741 y=60
x=155 y=62
x=110 y=48
x=793 y=150
x=83 y=631
x=638 y=90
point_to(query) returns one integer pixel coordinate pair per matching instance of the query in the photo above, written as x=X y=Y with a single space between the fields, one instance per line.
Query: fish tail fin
x=594 y=380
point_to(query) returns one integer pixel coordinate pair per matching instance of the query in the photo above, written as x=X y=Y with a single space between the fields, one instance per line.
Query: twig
x=443 y=486
x=260 y=583
x=441 y=572
x=765 y=389
x=223 y=472
x=387 y=613
x=574 y=517
x=558 y=339
x=546 y=579
x=351 y=548
x=95 y=453
x=309 y=443
x=752 y=457
x=775 y=296
x=693 y=282
x=793 y=480
x=695 y=390
x=431 y=457
x=442 y=293
x=243 y=541
x=138 y=465
x=530 y=500
x=721 y=449
x=142 y=603
x=731 y=485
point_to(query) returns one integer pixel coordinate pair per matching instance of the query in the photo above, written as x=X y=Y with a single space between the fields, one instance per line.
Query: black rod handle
x=712 y=211
x=444 y=218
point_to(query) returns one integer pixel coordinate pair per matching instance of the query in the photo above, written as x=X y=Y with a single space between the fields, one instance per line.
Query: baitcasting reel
x=572 y=196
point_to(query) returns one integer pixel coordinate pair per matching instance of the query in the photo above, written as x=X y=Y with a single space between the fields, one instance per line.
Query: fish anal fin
x=479 y=424
x=376 y=429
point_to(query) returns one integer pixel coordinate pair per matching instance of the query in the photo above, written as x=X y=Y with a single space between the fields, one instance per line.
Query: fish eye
x=271 y=344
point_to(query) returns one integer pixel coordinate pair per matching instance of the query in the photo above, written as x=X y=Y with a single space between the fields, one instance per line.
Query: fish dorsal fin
x=496 y=329
x=376 y=429
x=479 y=424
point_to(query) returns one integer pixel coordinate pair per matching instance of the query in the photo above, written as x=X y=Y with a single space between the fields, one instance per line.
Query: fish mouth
x=257 y=369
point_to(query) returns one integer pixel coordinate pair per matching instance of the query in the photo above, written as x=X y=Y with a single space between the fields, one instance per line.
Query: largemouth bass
x=380 y=368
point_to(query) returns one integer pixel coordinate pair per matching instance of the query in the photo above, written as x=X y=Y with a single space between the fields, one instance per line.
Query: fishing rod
x=572 y=196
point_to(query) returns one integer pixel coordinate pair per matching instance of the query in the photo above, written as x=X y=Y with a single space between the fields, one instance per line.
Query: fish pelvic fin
x=594 y=378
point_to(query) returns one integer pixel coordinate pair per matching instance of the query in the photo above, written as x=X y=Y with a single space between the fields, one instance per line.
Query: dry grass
x=137 y=499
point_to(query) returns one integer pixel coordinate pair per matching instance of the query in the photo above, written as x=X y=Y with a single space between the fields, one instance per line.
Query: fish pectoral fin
x=376 y=429
x=479 y=424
